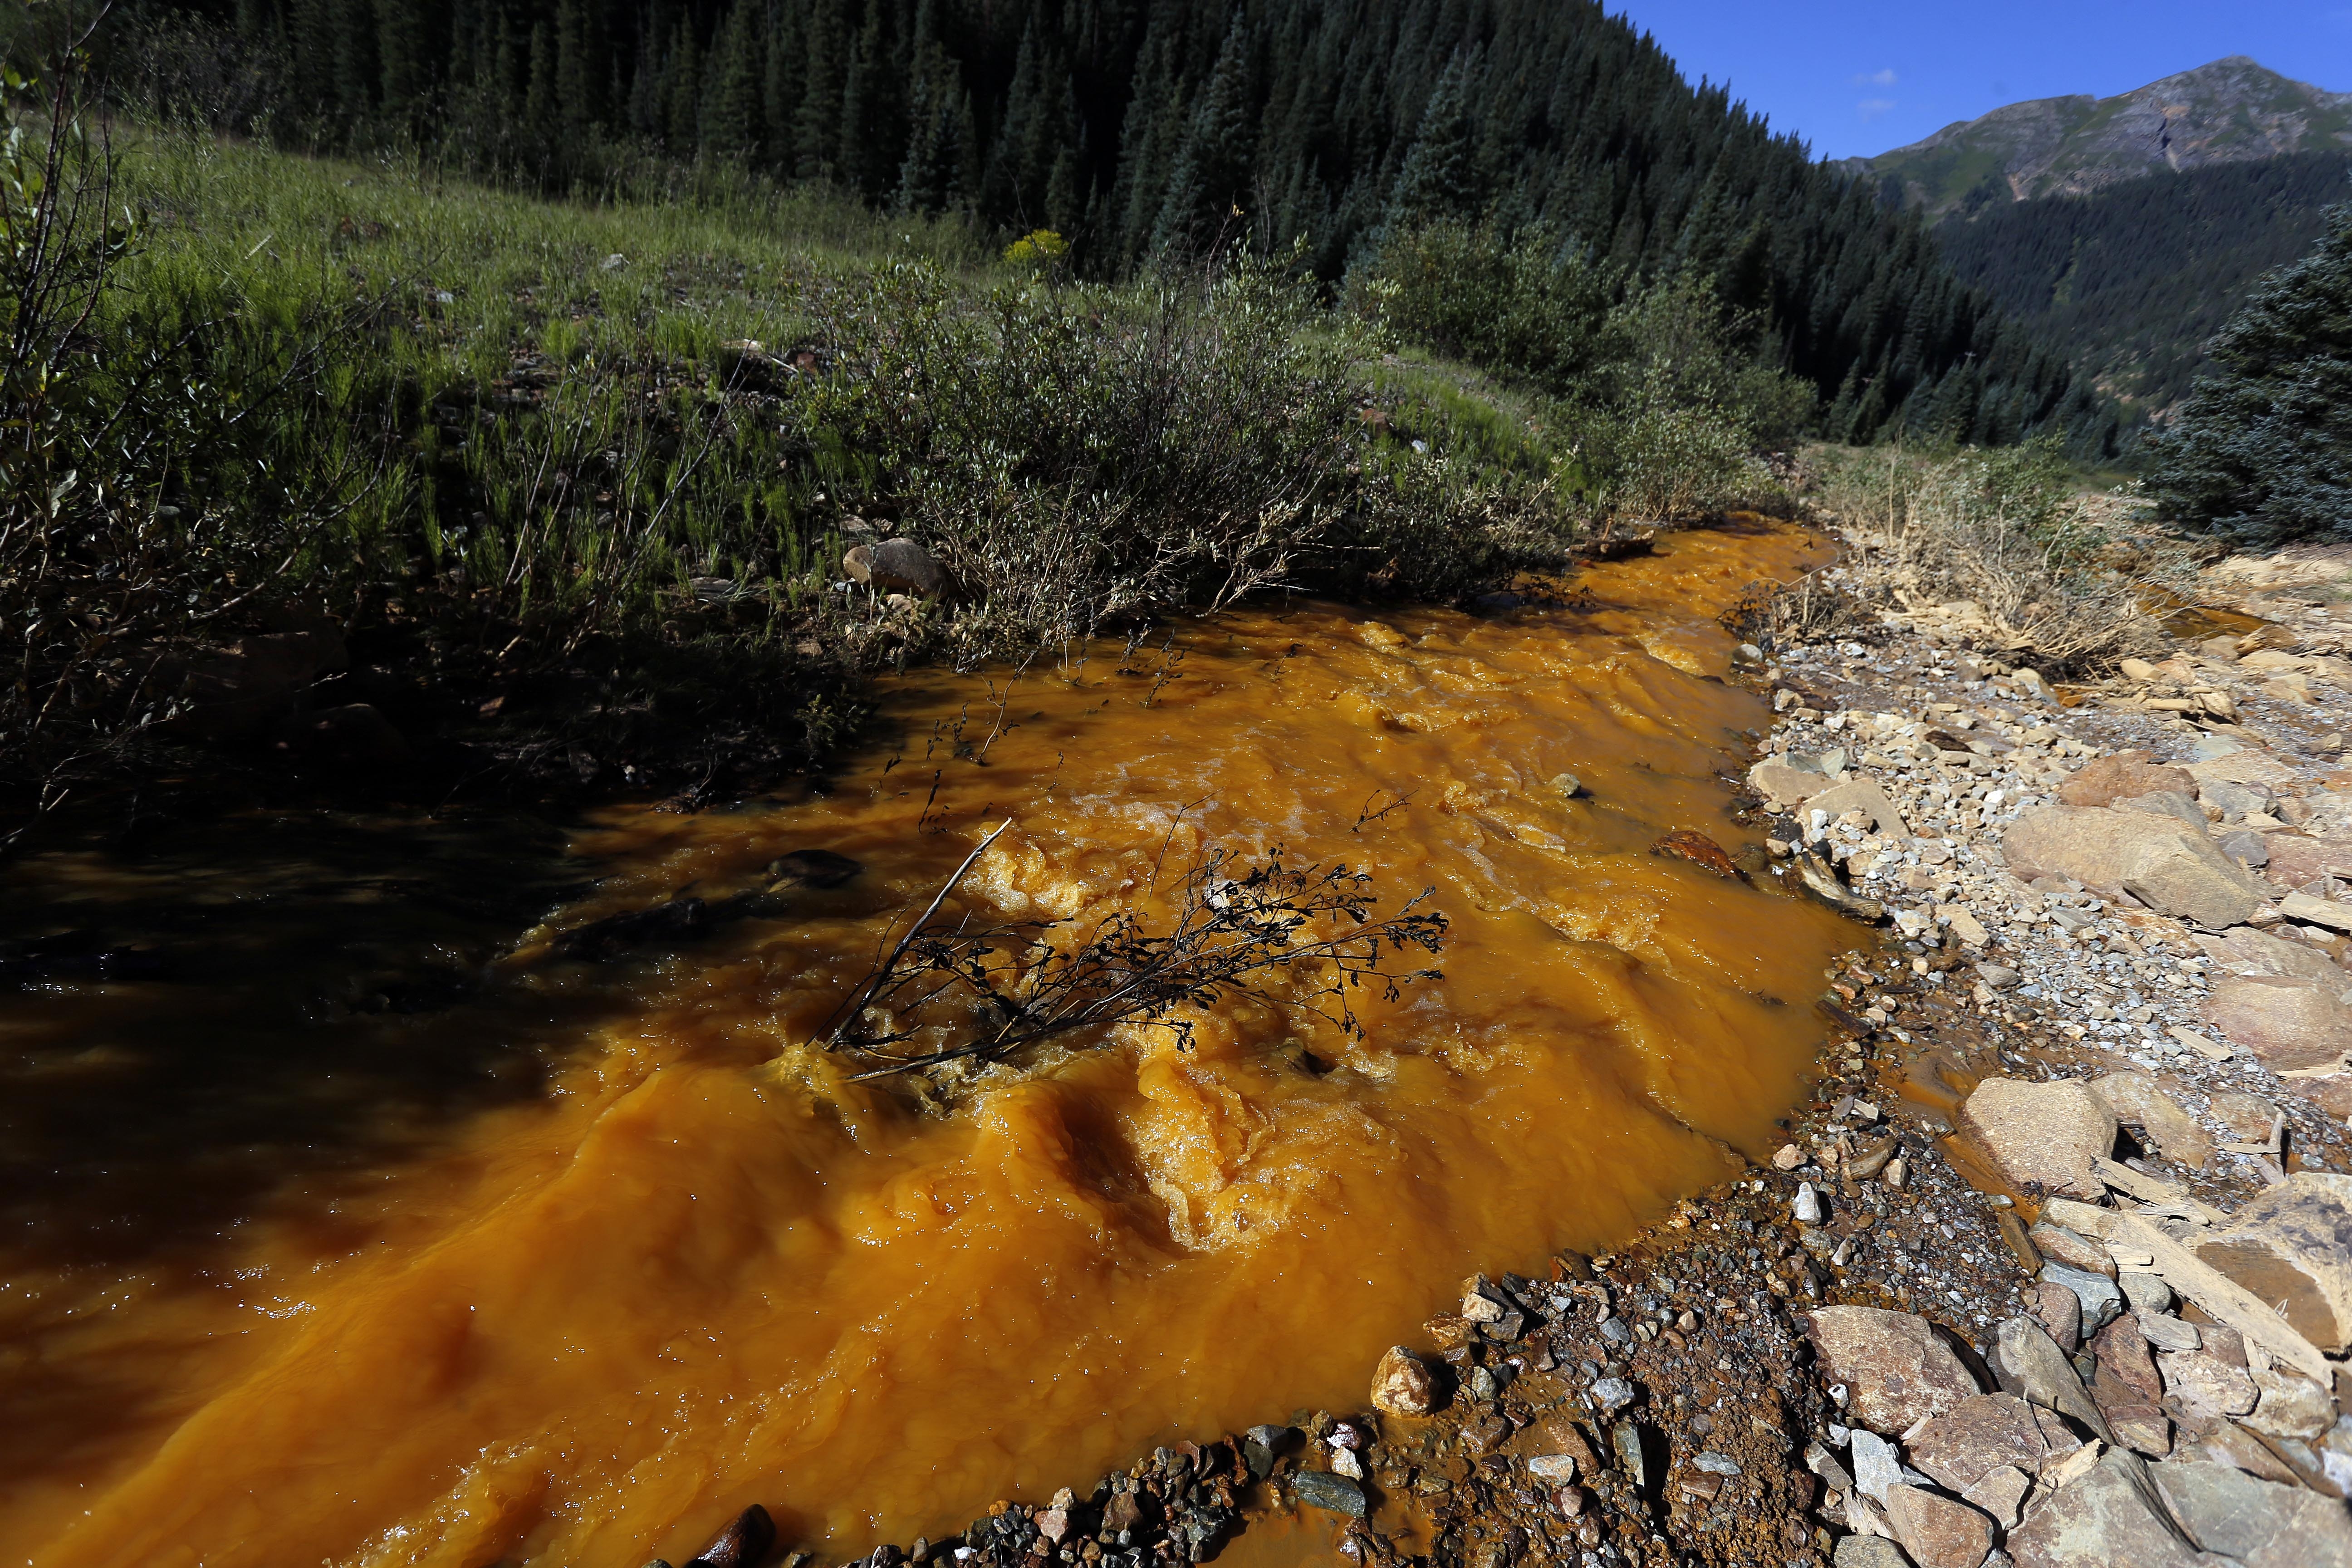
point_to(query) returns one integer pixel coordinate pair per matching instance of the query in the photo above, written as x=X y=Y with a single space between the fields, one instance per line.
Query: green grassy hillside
x=576 y=481
x=1143 y=133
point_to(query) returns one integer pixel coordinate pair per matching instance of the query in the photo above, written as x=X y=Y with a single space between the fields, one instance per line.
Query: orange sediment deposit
x=691 y=1264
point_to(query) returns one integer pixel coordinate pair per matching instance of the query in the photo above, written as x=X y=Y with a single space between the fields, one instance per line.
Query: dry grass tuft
x=1994 y=550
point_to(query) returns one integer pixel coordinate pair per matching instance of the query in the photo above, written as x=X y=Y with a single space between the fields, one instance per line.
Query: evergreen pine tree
x=2262 y=450
x=816 y=119
x=1212 y=168
x=787 y=70
x=540 y=107
x=358 y=74
x=1146 y=123
x=1003 y=190
x=734 y=115
x=931 y=173
x=405 y=57
x=1439 y=179
x=580 y=72
x=682 y=90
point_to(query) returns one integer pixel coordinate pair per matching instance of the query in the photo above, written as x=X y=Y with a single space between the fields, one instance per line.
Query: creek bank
x=2114 y=1003
x=2011 y=1291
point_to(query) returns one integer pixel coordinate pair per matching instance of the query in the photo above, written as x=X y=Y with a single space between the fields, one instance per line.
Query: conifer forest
x=1143 y=129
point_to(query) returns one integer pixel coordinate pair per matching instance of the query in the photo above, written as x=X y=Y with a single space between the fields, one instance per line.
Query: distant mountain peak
x=2232 y=109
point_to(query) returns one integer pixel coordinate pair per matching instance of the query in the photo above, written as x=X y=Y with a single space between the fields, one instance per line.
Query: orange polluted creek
x=697 y=1266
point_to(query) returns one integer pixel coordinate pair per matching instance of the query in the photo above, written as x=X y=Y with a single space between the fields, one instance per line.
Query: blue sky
x=1864 y=76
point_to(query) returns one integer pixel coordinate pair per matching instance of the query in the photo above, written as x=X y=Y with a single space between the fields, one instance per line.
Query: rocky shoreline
x=2055 y=1268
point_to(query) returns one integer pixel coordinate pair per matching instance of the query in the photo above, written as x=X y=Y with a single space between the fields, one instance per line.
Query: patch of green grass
x=619 y=449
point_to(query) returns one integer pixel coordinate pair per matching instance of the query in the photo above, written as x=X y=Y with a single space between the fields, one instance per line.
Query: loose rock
x=1899 y=1374
x=2042 y=1136
x=1403 y=1384
x=2104 y=1520
x=1938 y=1532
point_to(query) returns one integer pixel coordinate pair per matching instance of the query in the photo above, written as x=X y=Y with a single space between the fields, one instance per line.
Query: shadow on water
x=185 y=1029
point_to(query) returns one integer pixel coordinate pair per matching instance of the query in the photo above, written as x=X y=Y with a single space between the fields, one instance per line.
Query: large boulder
x=2139 y=1101
x=2245 y=950
x=2210 y=1383
x=2160 y=860
x=2332 y=1094
x=2296 y=859
x=2256 y=1523
x=1896 y=1371
x=2292 y=1246
x=2029 y=1363
x=1936 y=1531
x=2122 y=776
x=896 y=566
x=242 y=690
x=354 y=735
x=1868 y=1551
x=2291 y=1405
x=2291 y=1022
x=1979 y=1434
x=2126 y=1388
x=2104 y=1519
x=1783 y=785
x=2246 y=765
x=2042 y=1137
x=2172 y=803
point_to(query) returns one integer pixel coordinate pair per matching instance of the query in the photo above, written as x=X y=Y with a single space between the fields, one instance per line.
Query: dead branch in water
x=985 y=992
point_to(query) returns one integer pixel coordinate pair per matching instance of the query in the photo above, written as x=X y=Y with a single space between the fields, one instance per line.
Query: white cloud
x=1876 y=78
x=1872 y=108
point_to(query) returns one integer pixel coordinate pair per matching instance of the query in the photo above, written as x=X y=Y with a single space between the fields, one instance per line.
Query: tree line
x=1141 y=129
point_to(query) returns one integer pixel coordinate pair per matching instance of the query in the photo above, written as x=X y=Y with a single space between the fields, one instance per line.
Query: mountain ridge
x=2232 y=109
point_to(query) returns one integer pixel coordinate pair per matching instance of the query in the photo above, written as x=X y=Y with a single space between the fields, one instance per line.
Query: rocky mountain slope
x=2231 y=110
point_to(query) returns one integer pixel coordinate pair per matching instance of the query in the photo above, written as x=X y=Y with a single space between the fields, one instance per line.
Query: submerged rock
x=815 y=868
x=680 y=919
x=1685 y=844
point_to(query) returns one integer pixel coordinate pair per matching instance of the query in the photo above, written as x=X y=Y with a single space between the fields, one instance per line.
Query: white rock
x=1875 y=1467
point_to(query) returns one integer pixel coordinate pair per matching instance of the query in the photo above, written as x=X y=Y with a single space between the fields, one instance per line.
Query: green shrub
x=163 y=474
x=1181 y=445
x=1662 y=406
x=1525 y=302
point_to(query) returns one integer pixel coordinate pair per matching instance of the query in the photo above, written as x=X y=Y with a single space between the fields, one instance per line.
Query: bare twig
x=987 y=991
x=864 y=994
